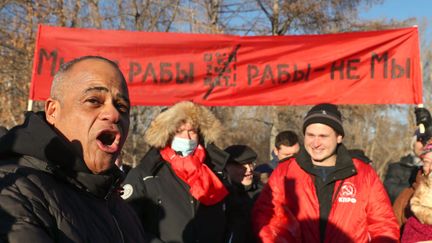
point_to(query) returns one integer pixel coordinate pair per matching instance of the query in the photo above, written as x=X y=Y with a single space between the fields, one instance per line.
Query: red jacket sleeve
x=273 y=222
x=382 y=223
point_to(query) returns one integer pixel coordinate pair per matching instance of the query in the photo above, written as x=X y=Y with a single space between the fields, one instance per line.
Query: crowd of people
x=62 y=178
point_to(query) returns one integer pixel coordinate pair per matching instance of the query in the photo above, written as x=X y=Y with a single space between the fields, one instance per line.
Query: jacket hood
x=165 y=125
x=421 y=201
x=37 y=139
x=53 y=153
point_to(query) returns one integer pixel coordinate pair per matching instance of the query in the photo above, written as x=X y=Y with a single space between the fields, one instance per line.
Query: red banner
x=377 y=67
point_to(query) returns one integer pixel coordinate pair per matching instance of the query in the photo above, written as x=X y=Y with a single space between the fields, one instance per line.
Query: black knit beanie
x=327 y=114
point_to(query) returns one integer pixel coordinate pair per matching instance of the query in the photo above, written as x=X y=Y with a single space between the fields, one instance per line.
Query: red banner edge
x=419 y=87
x=35 y=63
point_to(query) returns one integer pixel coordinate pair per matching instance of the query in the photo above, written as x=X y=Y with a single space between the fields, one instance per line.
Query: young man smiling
x=323 y=194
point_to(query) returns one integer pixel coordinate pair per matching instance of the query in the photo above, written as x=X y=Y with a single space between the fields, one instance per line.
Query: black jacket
x=167 y=209
x=239 y=204
x=47 y=194
x=400 y=175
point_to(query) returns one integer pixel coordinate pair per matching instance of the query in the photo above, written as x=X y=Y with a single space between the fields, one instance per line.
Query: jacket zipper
x=183 y=185
x=118 y=228
x=115 y=222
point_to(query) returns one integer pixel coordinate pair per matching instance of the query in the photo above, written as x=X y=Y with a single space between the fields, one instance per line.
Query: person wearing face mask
x=174 y=190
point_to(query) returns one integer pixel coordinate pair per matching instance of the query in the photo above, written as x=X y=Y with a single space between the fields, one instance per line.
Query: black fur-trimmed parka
x=160 y=198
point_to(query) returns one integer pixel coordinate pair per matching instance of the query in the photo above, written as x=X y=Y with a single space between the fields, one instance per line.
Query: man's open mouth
x=108 y=141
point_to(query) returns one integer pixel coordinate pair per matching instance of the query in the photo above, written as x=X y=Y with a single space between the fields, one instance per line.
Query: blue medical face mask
x=183 y=145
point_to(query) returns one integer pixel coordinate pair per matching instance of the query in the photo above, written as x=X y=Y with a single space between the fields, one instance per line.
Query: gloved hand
x=424 y=122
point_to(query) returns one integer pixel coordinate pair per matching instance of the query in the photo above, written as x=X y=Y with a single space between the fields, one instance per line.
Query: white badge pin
x=127 y=191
